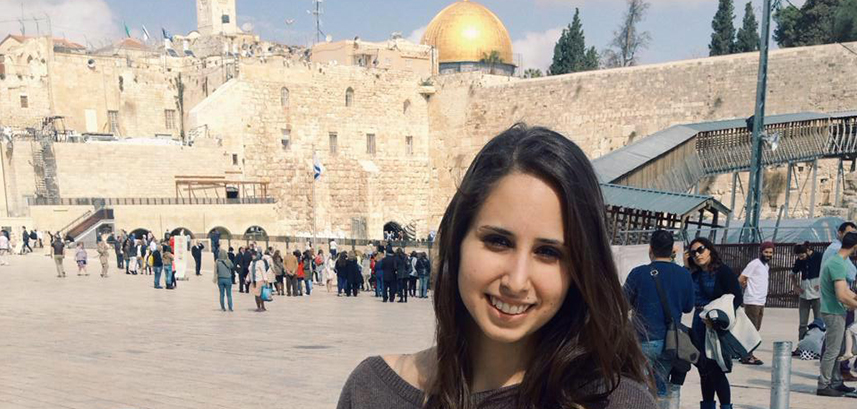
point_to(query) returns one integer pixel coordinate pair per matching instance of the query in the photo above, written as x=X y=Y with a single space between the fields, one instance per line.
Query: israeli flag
x=317 y=169
x=146 y=35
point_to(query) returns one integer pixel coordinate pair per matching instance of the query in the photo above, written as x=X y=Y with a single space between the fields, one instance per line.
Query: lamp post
x=750 y=232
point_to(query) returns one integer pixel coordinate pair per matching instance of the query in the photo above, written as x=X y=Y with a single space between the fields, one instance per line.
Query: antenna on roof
x=317 y=13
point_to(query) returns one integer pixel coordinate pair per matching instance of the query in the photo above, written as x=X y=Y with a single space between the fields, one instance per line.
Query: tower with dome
x=470 y=37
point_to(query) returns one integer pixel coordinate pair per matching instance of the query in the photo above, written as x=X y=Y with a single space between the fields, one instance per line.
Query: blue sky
x=680 y=29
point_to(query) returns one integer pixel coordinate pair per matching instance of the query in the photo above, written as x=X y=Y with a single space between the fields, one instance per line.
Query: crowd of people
x=720 y=299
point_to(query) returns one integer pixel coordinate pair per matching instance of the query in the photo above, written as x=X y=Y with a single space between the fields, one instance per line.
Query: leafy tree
x=570 y=53
x=723 y=37
x=816 y=22
x=748 y=34
x=786 y=33
x=627 y=39
x=845 y=21
x=533 y=73
x=491 y=59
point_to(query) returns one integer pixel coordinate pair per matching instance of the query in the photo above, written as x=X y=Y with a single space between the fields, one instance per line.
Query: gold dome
x=465 y=31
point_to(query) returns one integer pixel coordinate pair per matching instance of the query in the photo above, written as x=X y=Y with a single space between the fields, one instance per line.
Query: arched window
x=284 y=97
x=349 y=97
x=406 y=106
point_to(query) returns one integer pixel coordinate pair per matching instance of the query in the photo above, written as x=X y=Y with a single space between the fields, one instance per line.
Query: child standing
x=80 y=257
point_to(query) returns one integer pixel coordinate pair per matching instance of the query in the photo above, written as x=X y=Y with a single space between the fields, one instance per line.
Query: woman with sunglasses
x=529 y=310
x=711 y=280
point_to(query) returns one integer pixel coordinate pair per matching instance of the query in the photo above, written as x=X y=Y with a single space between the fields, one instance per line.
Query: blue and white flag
x=166 y=34
x=317 y=169
x=146 y=35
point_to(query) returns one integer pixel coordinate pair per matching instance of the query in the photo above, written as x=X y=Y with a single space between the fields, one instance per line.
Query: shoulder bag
x=677 y=345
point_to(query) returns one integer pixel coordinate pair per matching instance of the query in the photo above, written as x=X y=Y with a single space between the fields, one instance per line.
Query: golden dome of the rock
x=467 y=31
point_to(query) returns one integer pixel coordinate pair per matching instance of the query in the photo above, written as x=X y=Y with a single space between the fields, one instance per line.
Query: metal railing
x=144 y=201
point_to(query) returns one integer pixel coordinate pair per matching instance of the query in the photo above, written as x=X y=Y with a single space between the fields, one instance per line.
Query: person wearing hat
x=754 y=279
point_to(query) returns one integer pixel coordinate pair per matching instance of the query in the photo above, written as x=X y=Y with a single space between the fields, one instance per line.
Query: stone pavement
x=118 y=343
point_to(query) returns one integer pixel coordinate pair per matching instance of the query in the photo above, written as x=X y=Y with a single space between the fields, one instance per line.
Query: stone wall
x=604 y=110
x=389 y=185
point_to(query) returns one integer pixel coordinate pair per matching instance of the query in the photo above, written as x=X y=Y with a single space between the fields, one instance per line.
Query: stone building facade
x=392 y=144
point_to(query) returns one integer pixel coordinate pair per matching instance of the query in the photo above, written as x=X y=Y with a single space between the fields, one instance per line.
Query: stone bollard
x=781 y=375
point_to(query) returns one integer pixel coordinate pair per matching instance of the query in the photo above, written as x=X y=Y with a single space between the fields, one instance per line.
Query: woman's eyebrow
x=500 y=230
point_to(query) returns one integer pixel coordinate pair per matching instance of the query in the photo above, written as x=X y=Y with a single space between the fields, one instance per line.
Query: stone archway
x=179 y=230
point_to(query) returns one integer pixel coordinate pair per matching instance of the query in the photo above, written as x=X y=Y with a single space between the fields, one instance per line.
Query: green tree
x=845 y=21
x=533 y=73
x=786 y=33
x=723 y=37
x=816 y=22
x=628 y=39
x=491 y=59
x=748 y=34
x=570 y=53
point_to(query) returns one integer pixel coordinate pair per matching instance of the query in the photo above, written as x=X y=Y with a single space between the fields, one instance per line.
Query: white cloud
x=76 y=20
x=536 y=48
x=417 y=35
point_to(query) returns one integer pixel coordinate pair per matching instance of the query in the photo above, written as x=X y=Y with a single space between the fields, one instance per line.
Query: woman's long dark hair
x=584 y=350
x=716 y=260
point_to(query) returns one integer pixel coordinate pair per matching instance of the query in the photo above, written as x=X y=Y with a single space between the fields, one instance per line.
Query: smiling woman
x=530 y=313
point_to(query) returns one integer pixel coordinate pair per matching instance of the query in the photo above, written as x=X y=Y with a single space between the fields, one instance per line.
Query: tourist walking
x=353 y=278
x=649 y=302
x=291 y=265
x=333 y=246
x=127 y=251
x=25 y=237
x=366 y=271
x=850 y=277
x=712 y=279
x=836 y=297
x=258 y=278
x=279 y=269
x=341 y=274
x=423 y=273
x=244 y=259
x=80 y=259
x=215 y=244
x=4 y=249
x=59 y=254
x=306 y=268
x=103 y=254
x=318 y=265
x=805 y=277
x=529 y=310
x=412 y=274
x=389 y=268
x=157 y=265
x=196 y=253
x=402 y=274
x=329 y=271
x=231 y=255
x=167 y=258
x=117 y=248
x=223 y=278
x=754 y=281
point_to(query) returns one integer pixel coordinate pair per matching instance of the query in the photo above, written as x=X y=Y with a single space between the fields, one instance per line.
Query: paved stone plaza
x=117 y=343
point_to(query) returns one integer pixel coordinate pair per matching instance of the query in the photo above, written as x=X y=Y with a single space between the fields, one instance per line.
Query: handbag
x=677 y=345
x=266 y=294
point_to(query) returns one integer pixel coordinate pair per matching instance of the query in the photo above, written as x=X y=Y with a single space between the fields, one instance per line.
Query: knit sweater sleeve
x=631 y=394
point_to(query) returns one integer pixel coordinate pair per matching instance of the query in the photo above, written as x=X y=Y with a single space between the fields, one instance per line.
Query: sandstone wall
x=389 y=185
x=604 y=110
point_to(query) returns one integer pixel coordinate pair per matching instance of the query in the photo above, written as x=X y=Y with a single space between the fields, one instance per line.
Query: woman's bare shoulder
x=417 y=369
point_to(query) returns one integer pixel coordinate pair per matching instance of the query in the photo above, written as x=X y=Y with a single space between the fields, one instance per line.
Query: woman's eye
x=497 y=241
x=549 y=252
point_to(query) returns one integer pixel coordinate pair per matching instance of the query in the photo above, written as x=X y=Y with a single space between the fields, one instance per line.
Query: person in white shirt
x=333 y=247
x=754 y=279
x=4 y=249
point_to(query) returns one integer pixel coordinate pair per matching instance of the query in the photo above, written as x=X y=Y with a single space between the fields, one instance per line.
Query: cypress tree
x=748 y=34
x=570 y=53
x=723 y=37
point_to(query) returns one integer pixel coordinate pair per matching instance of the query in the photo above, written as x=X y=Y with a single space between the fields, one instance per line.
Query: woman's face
x=701 y=255
x=512 y=277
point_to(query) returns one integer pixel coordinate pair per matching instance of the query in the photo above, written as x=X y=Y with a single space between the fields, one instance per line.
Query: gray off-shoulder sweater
x=373 y=384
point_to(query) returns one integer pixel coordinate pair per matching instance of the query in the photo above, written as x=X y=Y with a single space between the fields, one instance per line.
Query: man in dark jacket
x=231 y=255
x=196 y=252
x=389 y=266
x=403 y=273
x=243 y=259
